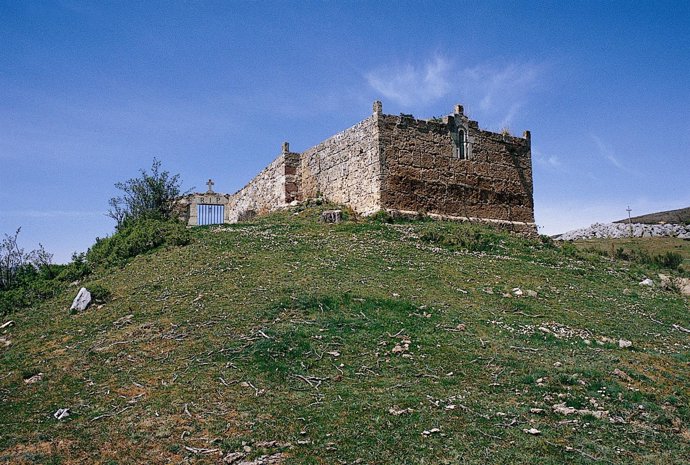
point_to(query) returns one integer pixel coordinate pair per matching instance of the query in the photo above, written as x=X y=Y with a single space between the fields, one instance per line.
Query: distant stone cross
x=210 y=184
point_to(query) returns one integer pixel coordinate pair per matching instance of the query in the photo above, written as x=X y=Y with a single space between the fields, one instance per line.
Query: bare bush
x=13 y=259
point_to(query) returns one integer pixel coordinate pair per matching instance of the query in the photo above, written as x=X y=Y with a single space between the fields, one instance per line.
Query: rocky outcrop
x=621 y=230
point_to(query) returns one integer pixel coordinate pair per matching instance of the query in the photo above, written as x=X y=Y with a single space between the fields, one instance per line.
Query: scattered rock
x=61 y=413
x=431 y=431
x=125 y=320
x=682 y=285
x=647 y=282
x=81 y=301
x=565 y=410
x=623 y=230
x=402 y=347
x=624 y=343
x=34 y=379
x=232 y=457
x=622 y=375
x=536 y=411
x=273 y=459
x=332 y=216
x=272 y=444
x=531 y=293
x=7 y=324
x=397 y=411
x=532 y=431
x=517 y=292
x=4 y=342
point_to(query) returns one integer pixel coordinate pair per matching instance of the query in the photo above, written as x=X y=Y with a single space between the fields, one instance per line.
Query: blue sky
x=90 y=92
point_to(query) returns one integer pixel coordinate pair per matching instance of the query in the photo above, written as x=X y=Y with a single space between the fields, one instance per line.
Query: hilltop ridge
x=285 y=340
x=679 y=216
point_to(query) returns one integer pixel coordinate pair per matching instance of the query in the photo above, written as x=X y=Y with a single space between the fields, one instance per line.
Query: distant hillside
x=680 y=216
x=285 y=340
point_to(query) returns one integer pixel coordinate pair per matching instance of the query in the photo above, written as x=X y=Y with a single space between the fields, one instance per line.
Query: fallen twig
x=199 y=450
x=579 y=451
x=529 y=349
x=111 y=414
x=520 y=312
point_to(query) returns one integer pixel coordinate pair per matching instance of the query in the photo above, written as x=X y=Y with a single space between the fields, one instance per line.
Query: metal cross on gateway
x=210 y=184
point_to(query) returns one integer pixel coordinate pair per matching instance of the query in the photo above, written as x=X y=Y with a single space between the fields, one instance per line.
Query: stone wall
x=446 y=168
x=422 y=171
x=264 y=193
x=345 y=168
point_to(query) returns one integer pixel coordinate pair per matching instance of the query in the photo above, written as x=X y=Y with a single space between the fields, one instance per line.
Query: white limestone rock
x=81 y=301
x=623 y=230
x=61 y=413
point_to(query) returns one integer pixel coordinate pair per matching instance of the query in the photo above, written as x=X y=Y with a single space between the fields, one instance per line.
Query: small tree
x=151 y=195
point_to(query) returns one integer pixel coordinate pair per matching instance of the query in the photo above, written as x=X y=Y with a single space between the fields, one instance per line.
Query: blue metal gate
x=210 y=214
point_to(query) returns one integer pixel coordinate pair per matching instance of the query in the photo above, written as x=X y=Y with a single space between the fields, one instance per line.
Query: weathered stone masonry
x=447 y=168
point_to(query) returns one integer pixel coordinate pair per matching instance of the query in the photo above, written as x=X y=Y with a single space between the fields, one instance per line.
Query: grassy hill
x=288 y=341
x=680 y=216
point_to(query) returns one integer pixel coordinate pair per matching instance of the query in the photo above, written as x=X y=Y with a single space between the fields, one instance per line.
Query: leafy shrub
x=30 y=286
x=135 y=238
x=547 y=241
x=569 y=249
x=151 y=195
x=99 y=294
x=474 y=239
x=74 y=270
x=671 y=260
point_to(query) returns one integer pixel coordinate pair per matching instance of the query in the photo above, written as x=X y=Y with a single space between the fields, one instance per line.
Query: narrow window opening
x=462 y=145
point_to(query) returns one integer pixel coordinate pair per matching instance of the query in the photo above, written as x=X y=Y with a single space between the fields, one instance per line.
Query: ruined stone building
x=444 y=167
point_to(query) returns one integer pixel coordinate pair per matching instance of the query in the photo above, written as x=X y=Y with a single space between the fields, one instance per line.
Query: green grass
x=285 y=329
x=640 y=248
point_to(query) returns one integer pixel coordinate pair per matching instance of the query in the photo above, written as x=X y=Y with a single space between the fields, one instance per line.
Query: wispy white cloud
x=501 y=91
x=547 y=161
x=493 y=93
x=606 y=152
x=409 y=84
